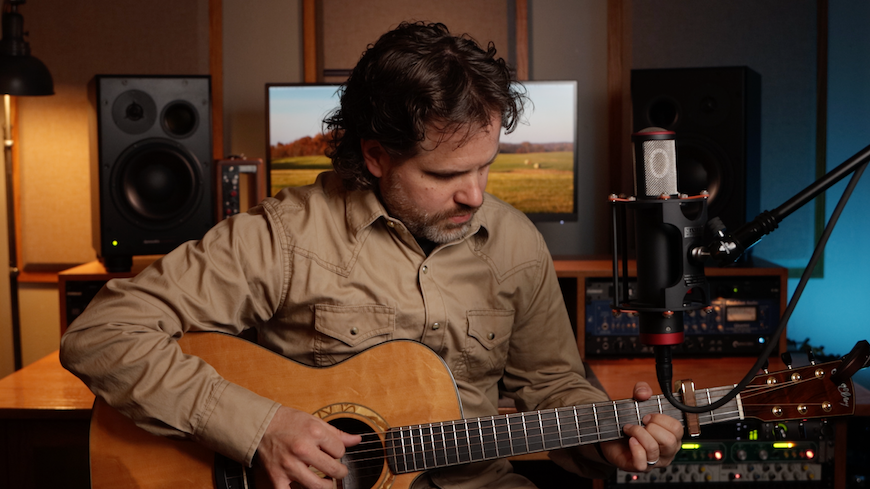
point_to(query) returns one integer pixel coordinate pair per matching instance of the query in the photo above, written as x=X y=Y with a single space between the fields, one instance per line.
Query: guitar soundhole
x=229 y=474
x=365 y=461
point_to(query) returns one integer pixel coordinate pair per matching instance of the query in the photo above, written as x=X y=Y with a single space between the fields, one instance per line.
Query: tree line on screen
x=316 y=145
x=527 y=147
x=304 y=146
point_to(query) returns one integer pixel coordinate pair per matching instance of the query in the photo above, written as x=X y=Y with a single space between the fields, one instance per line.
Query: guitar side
x=397 y=383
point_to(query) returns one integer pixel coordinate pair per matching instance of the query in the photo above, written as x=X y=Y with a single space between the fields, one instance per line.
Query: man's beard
x=435 y=227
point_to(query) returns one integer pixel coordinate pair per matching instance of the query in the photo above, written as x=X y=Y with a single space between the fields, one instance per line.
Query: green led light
x=114 y=242
x=753 y=435
x=691 y=446
x=783 y=444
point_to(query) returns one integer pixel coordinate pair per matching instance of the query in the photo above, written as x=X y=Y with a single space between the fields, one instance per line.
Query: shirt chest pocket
x=489 y=332
x=346 y=330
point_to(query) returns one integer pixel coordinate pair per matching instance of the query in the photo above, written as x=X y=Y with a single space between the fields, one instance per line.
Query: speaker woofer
x=156 y=183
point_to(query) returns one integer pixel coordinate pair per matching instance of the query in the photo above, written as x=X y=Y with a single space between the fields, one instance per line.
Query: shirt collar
x=364 y=209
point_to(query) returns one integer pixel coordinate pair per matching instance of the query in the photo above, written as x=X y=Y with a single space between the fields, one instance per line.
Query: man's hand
x=657 y=440
x=295 y=440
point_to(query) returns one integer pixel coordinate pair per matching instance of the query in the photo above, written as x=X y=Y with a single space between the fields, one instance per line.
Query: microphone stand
x=727 y=247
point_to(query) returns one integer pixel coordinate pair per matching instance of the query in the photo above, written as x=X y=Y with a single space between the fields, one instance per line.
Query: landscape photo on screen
x=534 y=170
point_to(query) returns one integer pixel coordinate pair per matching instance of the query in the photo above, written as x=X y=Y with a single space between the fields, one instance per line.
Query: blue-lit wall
x=778 y=39
x=831 y=311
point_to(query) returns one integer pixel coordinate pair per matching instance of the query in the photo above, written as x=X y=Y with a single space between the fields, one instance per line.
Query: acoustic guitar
x=402 y=399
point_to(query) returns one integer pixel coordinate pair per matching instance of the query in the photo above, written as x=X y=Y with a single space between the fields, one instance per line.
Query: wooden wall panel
x=347 y=28
x=78 y=40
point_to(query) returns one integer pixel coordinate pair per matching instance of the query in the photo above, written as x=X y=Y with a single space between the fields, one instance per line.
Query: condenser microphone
x=655 y=162
x=668 y=226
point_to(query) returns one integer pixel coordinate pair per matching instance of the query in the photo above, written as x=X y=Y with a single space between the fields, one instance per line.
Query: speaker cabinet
x=151 y=164
x=716 y=115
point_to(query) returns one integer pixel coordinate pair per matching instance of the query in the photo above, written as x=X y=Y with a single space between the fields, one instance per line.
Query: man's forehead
x=460 y=135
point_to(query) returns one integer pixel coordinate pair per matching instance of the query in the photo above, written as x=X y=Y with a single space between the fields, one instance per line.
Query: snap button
x=435 y=326
x=425 y=269
x=354 y=331
x=491 y=336
x=391 y=224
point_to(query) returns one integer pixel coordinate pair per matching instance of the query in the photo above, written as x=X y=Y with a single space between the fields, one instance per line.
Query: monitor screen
x=534 y=171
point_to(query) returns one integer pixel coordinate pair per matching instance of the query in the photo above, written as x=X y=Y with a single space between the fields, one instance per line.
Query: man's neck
x=428 y=246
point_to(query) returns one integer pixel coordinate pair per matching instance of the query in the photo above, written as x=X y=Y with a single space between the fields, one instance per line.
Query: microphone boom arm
x=727 y=248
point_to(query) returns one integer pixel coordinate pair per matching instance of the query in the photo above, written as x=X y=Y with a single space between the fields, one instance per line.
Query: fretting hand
x=652 y=445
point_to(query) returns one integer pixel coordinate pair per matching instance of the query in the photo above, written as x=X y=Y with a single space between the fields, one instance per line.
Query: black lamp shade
x=24 y=75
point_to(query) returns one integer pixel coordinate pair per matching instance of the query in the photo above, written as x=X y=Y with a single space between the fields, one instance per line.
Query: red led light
x=810 y=454
x=717 y=455
x=736 y=476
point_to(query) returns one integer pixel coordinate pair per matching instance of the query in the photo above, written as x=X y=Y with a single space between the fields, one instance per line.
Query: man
x=399 y=242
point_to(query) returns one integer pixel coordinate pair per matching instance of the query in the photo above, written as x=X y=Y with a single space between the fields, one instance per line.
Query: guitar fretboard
x=429 y=446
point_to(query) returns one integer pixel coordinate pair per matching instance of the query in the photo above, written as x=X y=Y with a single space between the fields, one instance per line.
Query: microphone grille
x=655 y=162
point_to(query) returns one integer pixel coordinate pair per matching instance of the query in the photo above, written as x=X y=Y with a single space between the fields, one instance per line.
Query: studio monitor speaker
x=716 y=115
x=151 y=164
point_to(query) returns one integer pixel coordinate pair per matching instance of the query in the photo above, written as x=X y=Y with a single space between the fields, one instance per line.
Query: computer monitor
x=535 y=170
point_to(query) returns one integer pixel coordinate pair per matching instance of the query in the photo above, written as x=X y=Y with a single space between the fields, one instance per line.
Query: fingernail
x=646 y=419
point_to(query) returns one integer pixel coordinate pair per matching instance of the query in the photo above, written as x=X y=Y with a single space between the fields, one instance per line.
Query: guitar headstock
x=797 y=393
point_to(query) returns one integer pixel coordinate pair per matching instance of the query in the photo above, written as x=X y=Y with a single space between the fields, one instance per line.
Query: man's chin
x=447 y=233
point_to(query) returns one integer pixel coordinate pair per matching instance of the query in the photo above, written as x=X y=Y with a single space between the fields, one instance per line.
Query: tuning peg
x=810 y=355
x=786 y=359
x=855 y=360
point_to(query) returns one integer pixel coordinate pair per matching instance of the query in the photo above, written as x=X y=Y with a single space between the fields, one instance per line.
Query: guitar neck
x=434 y=445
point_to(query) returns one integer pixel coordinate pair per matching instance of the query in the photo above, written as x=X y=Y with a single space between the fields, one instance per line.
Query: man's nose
x=471 y=191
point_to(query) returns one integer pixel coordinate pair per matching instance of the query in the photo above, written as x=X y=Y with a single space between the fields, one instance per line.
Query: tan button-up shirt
x=322 y=274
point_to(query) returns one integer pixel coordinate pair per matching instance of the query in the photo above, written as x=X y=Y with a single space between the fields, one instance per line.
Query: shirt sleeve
x=544 y=369
x=123 y=345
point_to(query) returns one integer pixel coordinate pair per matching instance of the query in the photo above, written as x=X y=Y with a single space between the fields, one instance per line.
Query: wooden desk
x=44 y=417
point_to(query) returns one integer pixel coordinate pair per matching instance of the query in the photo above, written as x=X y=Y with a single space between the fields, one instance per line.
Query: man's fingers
x=642 y=391
x=644 y=447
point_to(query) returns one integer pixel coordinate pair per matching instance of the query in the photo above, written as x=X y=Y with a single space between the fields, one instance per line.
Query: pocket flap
x=354 y=324
x=490 y=327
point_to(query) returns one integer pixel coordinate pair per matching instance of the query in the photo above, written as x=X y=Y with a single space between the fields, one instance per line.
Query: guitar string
x=584 y=420
x=430 y=438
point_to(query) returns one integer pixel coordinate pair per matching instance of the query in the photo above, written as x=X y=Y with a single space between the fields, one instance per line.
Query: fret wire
x=526 y=433
x=444 y=442
x=712 y=414
x=597 y=425
x=637 y=408
x=420 y=428
x=494 y=436
x=456 y=443
x=482 y=443
x=577 y=423
x=616 y=414
x=468 y=441
x=510 y=435
x=559 y=428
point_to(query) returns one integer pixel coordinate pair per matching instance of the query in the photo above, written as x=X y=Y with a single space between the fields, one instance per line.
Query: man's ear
x=375 y=156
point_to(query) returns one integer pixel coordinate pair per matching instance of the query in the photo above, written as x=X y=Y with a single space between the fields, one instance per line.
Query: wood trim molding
x=522 y=39
x=619 y=93
x=216 y=70
x=311 y=44
x=310 y=69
